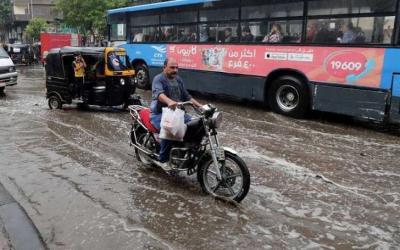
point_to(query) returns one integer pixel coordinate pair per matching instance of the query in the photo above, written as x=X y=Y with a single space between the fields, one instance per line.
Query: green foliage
x=87 y=16
x=35 y=26
x=5 y=12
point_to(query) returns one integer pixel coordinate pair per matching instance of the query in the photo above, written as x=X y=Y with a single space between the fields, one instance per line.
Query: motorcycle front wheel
x=235 y=181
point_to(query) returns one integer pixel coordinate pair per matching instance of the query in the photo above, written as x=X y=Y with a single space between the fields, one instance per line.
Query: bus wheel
x=142 y=76
x=289 y=96
x=55 y=102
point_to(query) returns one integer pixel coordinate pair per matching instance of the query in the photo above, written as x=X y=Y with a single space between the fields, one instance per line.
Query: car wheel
x=2 y=90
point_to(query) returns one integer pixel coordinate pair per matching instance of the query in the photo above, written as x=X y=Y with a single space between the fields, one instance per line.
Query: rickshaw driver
x=167 y=90
x=79 y=66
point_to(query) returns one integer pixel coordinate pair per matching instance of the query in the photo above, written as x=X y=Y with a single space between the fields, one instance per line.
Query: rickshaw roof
x=82 y=50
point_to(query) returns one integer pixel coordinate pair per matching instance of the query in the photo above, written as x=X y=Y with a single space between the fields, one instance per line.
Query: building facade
x=24 y=10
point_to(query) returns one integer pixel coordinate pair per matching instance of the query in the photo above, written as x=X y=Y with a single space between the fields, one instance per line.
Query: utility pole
x=31 y=2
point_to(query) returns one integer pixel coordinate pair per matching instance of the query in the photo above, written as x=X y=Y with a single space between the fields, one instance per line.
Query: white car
x=8 y=73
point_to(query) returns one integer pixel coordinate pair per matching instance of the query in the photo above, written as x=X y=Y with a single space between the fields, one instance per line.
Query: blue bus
x=294 y=55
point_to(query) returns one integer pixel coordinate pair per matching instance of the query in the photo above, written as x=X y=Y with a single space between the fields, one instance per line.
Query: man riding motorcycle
x=167 y=90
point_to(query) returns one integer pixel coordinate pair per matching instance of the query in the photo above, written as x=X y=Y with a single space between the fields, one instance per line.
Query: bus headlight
x=122 y=81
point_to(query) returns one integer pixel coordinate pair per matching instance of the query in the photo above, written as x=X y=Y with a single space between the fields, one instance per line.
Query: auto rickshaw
x=108 y=81
x=20 y=53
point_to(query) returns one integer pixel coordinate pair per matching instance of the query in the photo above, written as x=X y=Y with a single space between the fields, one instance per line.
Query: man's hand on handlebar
x=196 y=103
x=172 y=104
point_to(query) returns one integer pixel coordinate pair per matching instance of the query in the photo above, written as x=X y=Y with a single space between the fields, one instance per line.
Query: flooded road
x=318 y=183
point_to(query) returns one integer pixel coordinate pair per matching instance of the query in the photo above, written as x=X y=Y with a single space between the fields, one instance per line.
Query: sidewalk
x=16 y=229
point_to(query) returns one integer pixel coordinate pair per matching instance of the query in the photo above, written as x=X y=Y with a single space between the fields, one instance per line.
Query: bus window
x=179 y=17
x=351 y=30
x=187 y=33
x=169 y=33
x=207 y=15
x=204 y=33
x=223 y=33
x=329 y=7
x=118 y=32
x=257 y=29
x=252 y=9
x=117 y=27
x=275 y=32
x=179 y=33
x=137 y=35
x=144 y=34
x=388 y=25
x=143 y=20
x=248 y=33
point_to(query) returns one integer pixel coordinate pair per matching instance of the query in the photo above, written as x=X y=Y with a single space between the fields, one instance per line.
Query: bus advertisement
x=360 y=77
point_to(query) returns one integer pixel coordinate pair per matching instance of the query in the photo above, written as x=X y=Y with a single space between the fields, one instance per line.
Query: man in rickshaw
x=79 y=66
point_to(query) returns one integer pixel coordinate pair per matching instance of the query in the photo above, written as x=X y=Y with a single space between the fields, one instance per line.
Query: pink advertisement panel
x=356 y=66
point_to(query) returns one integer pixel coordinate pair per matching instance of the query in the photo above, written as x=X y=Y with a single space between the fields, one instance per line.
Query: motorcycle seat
x=145 y=117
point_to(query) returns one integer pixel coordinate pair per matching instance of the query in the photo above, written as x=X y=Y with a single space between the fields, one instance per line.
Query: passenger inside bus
x=187 y=35
x=246 y=35
x=349 y=34
x=387 y=34
x=312 y=30
x=151 y=36
x=275 y=35
x=324 y=35
x=203 y=34
x=138 y=37
x=169 y=35
x=228 y=36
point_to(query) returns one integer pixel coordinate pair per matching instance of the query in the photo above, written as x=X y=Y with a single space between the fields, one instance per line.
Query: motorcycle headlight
x=12 y=69
x=216 y=119
x=122 y=81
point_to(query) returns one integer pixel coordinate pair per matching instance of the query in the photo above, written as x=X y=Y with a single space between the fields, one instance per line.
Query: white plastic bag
x=173 y=125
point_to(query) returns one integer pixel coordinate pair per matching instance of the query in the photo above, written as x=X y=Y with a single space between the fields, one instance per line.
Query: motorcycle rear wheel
x=146 y=142
x=235 y=182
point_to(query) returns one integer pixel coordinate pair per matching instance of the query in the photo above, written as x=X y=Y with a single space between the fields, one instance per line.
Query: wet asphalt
x=323 y=182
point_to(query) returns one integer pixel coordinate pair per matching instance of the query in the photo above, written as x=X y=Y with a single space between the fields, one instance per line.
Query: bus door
x=395 y=102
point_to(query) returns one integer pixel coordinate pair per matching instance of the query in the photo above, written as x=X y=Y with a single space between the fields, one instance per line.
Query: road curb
x=21 y=232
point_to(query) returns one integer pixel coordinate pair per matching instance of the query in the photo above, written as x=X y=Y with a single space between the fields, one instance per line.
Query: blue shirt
x=161 y=85
x=348 y=37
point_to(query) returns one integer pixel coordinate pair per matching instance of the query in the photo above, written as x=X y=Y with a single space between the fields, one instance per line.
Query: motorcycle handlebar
x=207 y=108
x=189 y=103
x=180 y=104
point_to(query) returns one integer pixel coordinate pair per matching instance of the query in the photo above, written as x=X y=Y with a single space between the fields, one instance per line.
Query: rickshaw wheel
x=55 y=102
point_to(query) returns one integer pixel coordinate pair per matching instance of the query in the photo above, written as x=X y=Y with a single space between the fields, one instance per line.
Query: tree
x=35 y=26
x=5 y=17
x=88 y=16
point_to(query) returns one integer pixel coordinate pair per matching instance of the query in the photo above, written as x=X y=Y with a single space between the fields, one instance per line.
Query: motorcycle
x=220 y=171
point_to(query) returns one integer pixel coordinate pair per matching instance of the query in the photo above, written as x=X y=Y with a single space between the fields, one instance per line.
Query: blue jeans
x=165 y=145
